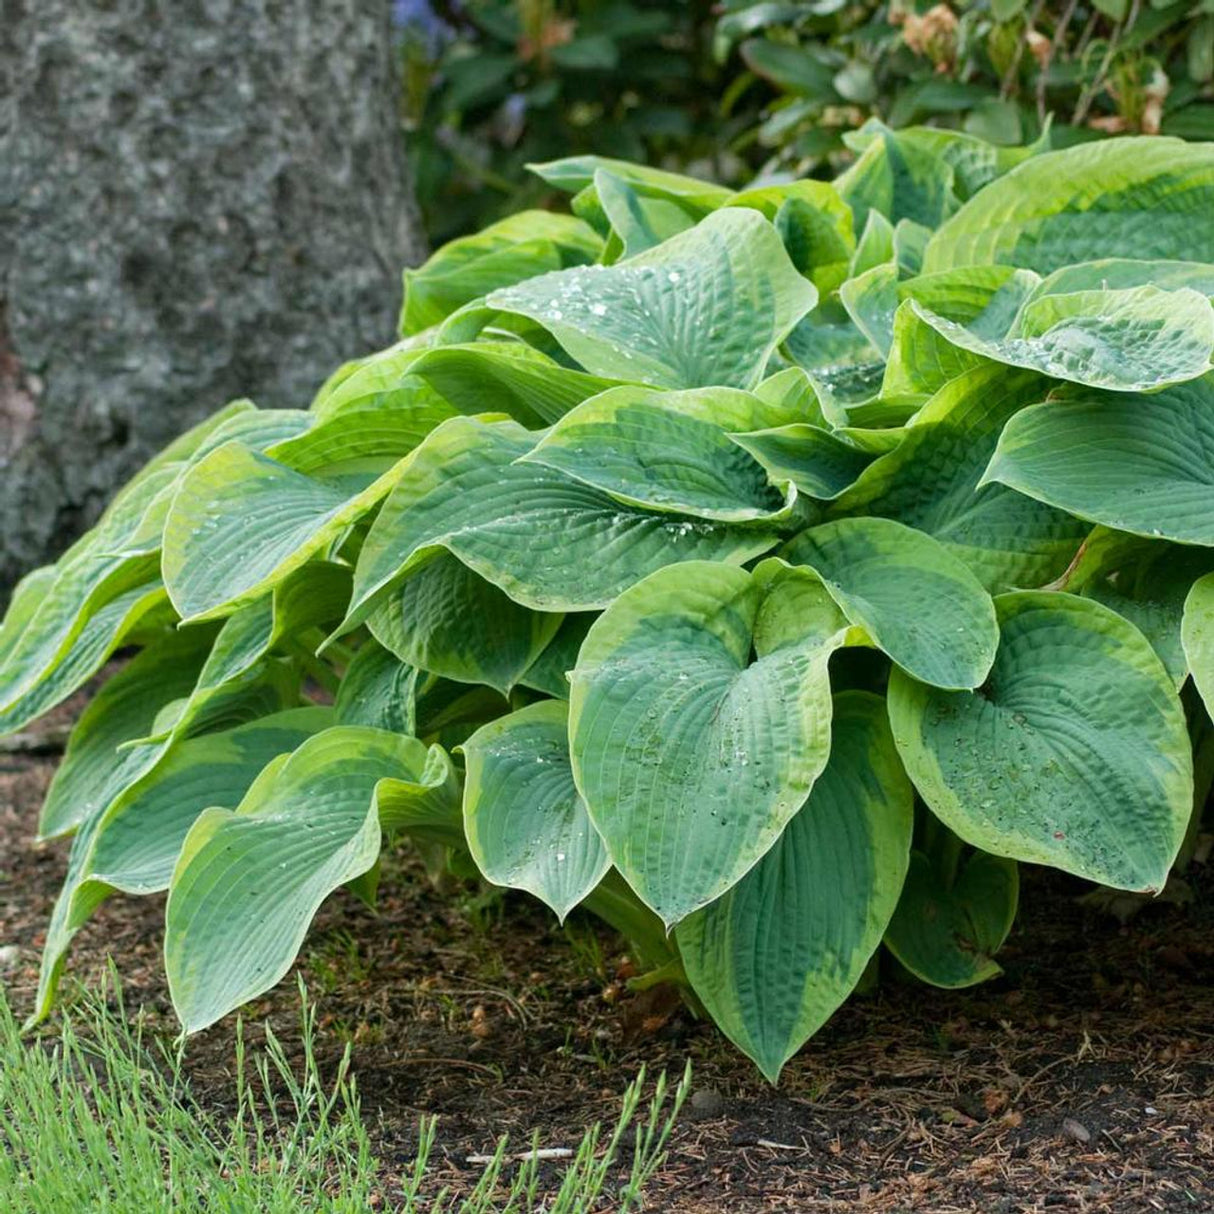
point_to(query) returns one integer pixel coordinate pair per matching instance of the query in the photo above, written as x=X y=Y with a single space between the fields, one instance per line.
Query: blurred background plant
x=490 y=85
x=740 y=90
x=998 y=69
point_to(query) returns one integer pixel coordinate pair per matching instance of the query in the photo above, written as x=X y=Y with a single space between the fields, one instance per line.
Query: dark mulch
x=1083 y=1079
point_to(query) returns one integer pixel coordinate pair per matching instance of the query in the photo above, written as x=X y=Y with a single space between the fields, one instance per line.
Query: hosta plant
x=769 y=573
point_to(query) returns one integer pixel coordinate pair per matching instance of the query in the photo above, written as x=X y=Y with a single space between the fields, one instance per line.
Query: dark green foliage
x=995 y=68
x=491 y=85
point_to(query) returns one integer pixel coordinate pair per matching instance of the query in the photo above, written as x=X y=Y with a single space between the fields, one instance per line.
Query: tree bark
x=199 y=200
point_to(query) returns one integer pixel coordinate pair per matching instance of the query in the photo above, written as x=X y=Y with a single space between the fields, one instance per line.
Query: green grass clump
x=96 y=1117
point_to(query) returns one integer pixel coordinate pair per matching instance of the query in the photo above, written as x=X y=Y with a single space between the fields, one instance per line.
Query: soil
x=1082 y=1079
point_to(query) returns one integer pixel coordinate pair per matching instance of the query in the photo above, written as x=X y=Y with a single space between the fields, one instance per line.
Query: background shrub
x=492 y=85
x=771 y=89
x=999 y=69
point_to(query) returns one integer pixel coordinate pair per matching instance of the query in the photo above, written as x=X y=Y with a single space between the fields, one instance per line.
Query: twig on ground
x=540 y=1154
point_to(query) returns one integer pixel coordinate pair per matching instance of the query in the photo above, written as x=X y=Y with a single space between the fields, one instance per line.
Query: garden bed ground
x=1083 y=1079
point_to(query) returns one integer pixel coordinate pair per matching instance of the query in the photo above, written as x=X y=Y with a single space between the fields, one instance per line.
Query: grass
x=94 y=1117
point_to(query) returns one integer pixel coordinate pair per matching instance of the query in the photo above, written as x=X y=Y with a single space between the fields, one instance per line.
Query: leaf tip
x=770 y=1070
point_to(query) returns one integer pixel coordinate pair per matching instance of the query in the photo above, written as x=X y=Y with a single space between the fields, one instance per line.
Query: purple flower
x=419 y=23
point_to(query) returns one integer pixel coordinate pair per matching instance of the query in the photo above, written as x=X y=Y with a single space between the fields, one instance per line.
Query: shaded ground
x=1083 y=1079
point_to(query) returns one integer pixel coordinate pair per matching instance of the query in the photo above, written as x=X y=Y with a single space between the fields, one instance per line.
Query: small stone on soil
x=1076 y=1130
x=705 y=1104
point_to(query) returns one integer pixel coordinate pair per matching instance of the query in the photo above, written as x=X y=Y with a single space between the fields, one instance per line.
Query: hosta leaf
x=275 y=687
x=1074 y=753
x=248 y=882
x=1153 y=197
x=26 y=597
x=704 y=308
x=985 y=299
x=585 y=204
x=478 y=322
x=242 y=522
x=1197 y=636
x=449 y=713
x=855 y=388
x=913 y=597
x=821 y=463
x=910 y=242
x=690 y=756
x=793 y=391
x=948 y=932
x=669 y=451
x=139 y=505
x=875 y=246
x=110 y=573
x=256 y=428
x=529 y=243
x=775 y=956
x=510 y=377
x=235 y=414
x=1137 y=463
x=107 y=776
x=975 y=162
x=139 y=714
x=66 y=620
x=524 y=527
x=134 y=844
x=102 y=632
x=314 y=595
x=93 y=770
x=379 y=690
x=638 y=221
x=1119 y=273
x=450 y=621
x=1144 y=580
x=574 y=173
x=817 y=232
x=844 y=367
x=526 y=825
x=931 y=482
x=821 y=196
x=871 y=299
x=333 y=395
x=549 y=672
x=1131 y=340
x=376 y=415
x=137 y=840
x=899 y=179
x=921 y=360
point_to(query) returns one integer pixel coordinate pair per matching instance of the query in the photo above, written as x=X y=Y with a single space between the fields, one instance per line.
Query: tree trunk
x=199 y=200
